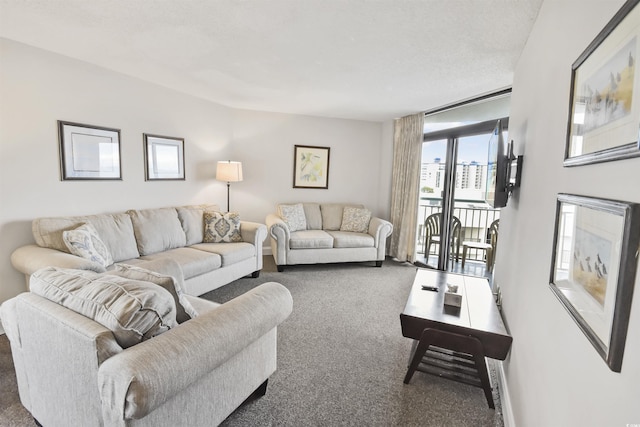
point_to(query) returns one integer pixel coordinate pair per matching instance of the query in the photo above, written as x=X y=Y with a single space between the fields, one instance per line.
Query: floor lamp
x=231 y=172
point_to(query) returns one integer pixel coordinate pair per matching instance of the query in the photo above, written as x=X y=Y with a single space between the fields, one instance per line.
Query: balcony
x=475 y=221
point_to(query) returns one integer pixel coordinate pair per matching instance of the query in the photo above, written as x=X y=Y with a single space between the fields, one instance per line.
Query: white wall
x=37 y=88
x=554 y=375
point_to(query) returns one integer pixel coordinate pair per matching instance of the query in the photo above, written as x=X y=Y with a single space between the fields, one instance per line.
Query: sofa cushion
x=184 y=310
x=313 y=216
x=221 y=227
x=115 y=230
x=229 y=252
x=192 y=261
x=332 y=215
x=349 y=239
x=133 y=310
x=355 y=219
x=157 y=230
x=310 y=239
x=294 y=216
x=85 y=242
x=192 y=220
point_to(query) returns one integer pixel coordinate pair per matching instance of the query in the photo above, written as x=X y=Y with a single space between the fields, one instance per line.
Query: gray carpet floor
x=341 y=357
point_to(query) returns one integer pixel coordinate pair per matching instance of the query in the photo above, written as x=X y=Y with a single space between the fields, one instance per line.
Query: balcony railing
x=475 y=222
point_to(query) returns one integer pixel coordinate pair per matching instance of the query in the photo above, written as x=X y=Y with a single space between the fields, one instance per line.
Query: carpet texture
x=341 y=357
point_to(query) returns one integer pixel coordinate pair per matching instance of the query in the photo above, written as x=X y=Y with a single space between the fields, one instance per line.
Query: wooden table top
x=478 y=315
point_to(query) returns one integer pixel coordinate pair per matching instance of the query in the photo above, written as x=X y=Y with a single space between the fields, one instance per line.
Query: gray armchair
x=71 y=370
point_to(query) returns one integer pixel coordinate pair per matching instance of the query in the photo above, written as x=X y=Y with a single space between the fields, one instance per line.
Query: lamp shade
x=229 y=171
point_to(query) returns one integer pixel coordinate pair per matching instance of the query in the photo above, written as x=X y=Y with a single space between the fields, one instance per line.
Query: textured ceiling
x=358 y=59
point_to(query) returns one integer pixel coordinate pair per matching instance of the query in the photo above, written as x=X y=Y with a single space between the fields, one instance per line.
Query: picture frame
x=604 y=108
x=88 y=152
x=163 y=158
x=593 y=268
x=311 y=166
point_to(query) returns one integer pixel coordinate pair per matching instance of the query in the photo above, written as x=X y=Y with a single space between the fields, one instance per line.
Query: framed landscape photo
x=594 y=267
x=163 y=157
x=311 y=167
x=604 y=111
x=88 y=152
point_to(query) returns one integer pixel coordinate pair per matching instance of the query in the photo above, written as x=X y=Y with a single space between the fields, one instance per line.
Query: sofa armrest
x=31 y=258
x=253 y=232
x=380 y=229
x=280 y=235
x=143 y=377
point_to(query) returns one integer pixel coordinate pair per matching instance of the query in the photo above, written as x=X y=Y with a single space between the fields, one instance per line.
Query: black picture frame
x=594 y=266
x=89 y=152
x=163 y=158
x=604 y=106
x=311 y=166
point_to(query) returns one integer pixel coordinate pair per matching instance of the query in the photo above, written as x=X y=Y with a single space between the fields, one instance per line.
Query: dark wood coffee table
x=453 y=342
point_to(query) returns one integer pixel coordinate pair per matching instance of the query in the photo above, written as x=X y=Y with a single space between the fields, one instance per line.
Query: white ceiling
x=357 y=59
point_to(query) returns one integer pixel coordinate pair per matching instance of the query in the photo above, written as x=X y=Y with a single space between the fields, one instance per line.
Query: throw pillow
x=85 y=242
x=133 y=310
x=184 y=310
x=355 y=219
x=219 y=227
x=294 y=216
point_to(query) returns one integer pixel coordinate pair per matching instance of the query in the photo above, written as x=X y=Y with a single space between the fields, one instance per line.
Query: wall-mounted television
x=497 y=193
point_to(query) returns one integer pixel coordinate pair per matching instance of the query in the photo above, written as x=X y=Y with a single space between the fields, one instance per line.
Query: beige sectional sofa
x=311 y=233
x=140 y=236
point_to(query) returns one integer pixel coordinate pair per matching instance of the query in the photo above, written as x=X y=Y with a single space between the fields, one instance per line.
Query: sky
x=469 y=149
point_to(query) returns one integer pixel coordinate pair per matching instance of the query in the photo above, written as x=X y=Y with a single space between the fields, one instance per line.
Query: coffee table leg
x=458 y=343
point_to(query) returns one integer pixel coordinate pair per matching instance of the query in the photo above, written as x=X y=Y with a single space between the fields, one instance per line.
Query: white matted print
x=164 y=157
x=88 y=152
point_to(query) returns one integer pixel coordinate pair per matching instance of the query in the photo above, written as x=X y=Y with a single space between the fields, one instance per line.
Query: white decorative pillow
x=355 y=219
x=219 y=228
x=85 y=242
x=184 y=309
x=294 y=216
x=133 y=310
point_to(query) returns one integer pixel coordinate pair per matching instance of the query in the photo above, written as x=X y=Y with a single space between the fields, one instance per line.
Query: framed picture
x=163 y=157
x=593 y=271
x=311 y=167
x=604 y=112
x=88 y=152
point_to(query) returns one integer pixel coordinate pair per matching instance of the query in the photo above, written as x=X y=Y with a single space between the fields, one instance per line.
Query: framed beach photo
x=163 y=157
x=311 y=167
x=88 y=152
x=604 y=112
x=595 y=257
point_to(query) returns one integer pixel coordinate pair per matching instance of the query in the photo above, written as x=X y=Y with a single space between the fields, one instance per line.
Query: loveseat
x=139 y=236
x=311 y=233
x=100 y=349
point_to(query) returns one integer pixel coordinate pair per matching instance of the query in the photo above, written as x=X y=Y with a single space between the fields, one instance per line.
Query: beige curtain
x=407 y=150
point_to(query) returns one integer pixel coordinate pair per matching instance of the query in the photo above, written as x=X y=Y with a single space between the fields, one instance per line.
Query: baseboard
x=266 y=250
x=505 y=398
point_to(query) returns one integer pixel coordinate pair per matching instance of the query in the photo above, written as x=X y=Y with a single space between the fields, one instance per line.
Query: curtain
x=407 y=151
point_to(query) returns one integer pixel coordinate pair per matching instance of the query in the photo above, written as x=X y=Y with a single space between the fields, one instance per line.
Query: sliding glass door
x=454 y=221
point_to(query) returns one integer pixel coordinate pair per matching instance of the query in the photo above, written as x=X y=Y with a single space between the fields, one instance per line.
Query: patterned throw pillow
x=294 y=216
x=85 y=242
x=219 y=228
x=355 y=219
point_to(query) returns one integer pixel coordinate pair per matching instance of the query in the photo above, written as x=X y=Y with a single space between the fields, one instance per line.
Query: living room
x=553 y=374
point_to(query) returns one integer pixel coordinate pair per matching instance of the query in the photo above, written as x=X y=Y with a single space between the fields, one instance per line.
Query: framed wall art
x=163 y=157
x=88 y=152
x=311 y=167
x=604 y=111
x=594 y=267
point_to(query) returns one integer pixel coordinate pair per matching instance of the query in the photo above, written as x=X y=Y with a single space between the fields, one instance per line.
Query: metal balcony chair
x=489 y=247
x=432 y=236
